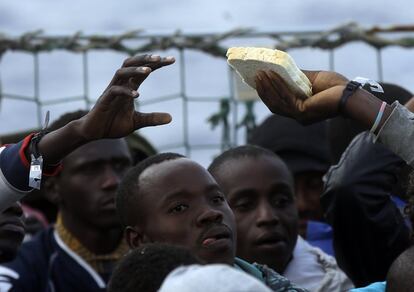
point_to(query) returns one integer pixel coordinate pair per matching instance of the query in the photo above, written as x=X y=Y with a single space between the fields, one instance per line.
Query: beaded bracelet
x=379 y=117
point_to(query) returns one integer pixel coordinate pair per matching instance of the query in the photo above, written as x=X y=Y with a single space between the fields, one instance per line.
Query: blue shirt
x=375 y=287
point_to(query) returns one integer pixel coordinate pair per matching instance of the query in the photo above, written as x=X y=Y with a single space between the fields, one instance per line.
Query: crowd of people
x=292 y=210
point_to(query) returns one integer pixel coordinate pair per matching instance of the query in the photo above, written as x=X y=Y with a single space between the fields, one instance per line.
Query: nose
x=266 y=215
x=208 y=216
x=110 y=178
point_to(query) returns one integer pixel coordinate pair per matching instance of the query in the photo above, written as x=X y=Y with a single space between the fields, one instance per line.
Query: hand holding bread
x=280 y=99
x=246 y=61
x=307 y=96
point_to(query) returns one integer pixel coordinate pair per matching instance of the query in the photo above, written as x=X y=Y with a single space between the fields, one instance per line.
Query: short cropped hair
x=400 y=277
x=241 y=152
x=409 y=209
x=128 y=190
x=145 y=268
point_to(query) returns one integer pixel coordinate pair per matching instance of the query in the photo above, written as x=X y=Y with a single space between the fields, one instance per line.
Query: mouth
x=15 y=226
x=216 y=236
x=270 y=240
x=109 y=204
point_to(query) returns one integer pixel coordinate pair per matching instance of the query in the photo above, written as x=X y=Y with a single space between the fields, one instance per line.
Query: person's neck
x=97 y=241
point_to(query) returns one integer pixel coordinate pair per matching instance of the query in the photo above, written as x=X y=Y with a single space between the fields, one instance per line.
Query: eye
x=179 y=208
x=243 y=205
x=89 y=169
x=121 y=166
x=282 y=201
x=218 y=199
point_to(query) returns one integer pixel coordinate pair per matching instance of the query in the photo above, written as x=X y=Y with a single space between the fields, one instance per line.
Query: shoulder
x=28 y=271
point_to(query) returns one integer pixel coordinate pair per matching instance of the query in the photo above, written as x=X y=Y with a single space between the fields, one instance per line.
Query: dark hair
x=400 y=277
x=409 y=209
x=65 y=119
x=145 y=268
x=128 y=190
x=240 y=152
x=302 y=148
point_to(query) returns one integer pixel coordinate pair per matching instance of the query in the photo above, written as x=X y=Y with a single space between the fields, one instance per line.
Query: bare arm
x=113 y=115
x=327 y=90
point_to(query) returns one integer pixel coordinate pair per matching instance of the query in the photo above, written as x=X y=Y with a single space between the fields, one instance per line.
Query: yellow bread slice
x=246 y=61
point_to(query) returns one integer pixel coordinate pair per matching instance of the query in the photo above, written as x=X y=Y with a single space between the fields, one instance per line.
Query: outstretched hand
x=327 y=89
x=114 y=115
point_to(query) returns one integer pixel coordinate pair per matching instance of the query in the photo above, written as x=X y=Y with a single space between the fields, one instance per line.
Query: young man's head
x=169 y=198
x=12 y=231
x=400 y=277
x=259 y=189
x=86 y=187
x=409 y=209
x=145 y=268
x=305 y=151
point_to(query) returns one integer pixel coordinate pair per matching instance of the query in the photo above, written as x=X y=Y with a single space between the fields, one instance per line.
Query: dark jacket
x=369 y=230
x=46 y=264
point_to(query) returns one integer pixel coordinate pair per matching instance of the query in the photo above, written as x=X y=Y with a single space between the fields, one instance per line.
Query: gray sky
x=206 y=76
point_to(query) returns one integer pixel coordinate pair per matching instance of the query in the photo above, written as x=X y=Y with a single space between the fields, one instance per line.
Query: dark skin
x=327 y=88
x=308 y=189
x=260 y=193
x=12 y=230
x=180 y=203
x=85 y=192
x=113 y=115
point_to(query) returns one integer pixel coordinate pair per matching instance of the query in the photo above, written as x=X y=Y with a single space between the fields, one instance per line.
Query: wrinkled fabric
x=369 y=230
x=270 y=277
x=211 y=278
x=397 y=133
x=314 y=270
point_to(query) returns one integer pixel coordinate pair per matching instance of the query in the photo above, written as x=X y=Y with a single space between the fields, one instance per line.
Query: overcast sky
x=206 y=76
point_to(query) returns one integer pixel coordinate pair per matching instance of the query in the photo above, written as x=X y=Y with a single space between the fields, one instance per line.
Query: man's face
x=87 y=184
x=12 y=232
x=260 y=193
x=308 y=190
x=181 y=203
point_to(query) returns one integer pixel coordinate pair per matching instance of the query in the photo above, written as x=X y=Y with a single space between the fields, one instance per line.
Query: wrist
x=363 y=107
x=349 y=90
x=79 y=132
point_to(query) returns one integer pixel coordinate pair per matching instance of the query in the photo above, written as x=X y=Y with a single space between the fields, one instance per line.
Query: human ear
x=135 y=237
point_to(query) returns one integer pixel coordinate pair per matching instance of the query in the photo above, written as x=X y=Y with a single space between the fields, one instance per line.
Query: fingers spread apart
x=121 y=91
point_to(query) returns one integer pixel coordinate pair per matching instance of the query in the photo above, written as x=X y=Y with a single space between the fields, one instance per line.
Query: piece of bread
x=246 y=61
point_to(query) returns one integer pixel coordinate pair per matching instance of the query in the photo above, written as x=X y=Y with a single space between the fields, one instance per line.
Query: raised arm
x=396 y=126
x=113 y=116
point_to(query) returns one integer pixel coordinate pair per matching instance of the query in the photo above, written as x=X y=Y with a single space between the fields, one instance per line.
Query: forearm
x=364 y=107
x=55 y=145
x=396 y=127
x=13 y=176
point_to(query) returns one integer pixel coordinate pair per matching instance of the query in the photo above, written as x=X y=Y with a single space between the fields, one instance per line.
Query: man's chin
x=222 y=255
x=276 y=262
